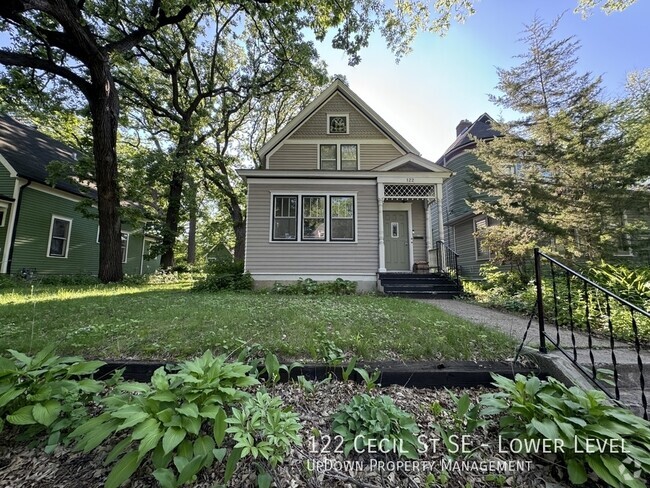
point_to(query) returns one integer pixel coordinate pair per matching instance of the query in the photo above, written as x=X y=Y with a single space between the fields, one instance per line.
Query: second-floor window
x=335 y=157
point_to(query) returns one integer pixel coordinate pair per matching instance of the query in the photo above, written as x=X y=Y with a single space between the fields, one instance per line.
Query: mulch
x=22 y=466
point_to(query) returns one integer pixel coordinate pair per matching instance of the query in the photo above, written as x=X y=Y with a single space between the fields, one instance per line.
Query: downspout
x=19 y=200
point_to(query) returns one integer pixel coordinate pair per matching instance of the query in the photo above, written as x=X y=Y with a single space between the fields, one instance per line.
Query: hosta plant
x=367 y=419
x=46 y=394
x=597 y=439
x=178 y=422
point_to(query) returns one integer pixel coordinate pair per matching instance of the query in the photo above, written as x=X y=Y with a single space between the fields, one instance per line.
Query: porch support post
x=441 y=227
x=429 y=227
x=380 y=207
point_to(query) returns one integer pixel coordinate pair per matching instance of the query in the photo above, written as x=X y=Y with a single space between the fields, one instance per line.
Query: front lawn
x=170 y=322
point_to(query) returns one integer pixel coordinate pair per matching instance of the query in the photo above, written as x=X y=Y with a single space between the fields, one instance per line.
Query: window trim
x=4 y=208
x=67 y=239
x=347 y=124
x=299 y=212
x=476 y=239
x=125 y=258
x=273 y=216
x=302 y=219
x=354 y=218
x=338 y=155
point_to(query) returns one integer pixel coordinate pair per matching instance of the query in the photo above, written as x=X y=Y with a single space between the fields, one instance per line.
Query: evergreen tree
x=563 y=169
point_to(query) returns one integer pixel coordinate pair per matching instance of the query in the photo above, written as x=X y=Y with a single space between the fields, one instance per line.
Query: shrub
x=46 y=393
x=535 y=410
x=225 y=275
x=632 y=284
x=366 y=418
x=311 y=287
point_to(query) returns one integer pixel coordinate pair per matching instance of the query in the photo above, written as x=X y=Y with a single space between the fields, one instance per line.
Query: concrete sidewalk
x=515 y=326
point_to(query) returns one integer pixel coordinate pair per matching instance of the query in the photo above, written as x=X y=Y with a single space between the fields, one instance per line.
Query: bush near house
x=504 y=290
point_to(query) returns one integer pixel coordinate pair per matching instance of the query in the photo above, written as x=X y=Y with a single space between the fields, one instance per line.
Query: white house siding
x=359 y=126
x=277 y=261
x=294 y=157
x=373 y=155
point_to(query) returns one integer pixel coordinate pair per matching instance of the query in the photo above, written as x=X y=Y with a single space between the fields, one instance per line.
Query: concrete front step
x=415 y=285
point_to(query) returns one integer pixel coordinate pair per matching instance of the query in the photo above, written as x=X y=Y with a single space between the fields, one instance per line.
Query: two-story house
x=340 y=194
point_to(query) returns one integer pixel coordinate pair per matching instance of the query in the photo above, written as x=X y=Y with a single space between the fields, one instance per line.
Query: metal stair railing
x=579 y=303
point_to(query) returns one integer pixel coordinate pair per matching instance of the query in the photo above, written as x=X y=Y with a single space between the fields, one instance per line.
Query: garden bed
x=21 y=466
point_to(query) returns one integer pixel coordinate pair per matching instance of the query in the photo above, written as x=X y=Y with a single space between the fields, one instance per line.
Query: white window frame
x=4 y=208
x=128 y=237
x=347 y=124
x=125 y=258
x=67 y=239
x=338 y=154
x=272 y=238
x=328 y=240
x=476 y=239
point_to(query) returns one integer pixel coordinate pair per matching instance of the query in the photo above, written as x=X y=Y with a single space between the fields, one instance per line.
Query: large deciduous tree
x=564 y=169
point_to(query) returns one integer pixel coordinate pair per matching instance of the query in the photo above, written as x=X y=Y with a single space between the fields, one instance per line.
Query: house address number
x=410 y=180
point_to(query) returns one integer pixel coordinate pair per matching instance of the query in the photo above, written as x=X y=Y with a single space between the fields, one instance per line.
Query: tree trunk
x=191 y=236
x=104 y=107
x=239 y=227
x=172 y=218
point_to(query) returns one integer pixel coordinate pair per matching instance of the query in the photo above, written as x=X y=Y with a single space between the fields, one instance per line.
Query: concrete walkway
x=515 y=326
x=555 y=362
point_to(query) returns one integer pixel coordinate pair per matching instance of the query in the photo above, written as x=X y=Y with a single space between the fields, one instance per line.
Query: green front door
x=396 y=240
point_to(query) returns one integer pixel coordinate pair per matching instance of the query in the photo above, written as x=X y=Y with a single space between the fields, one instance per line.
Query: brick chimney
x=462 y=126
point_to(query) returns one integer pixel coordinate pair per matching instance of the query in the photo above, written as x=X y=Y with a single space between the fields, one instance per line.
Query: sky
x=447 y=79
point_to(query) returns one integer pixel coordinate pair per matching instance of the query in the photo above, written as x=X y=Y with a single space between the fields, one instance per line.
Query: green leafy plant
x=369 y=379
x=308 y=286
x=632 y=284
x=610 y=441
x=368 y=419
x=178 y=421
x=272 y=368
x=46 y=393
x=263 y=428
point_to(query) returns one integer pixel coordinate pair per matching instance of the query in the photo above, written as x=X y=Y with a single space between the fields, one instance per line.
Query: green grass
x=169 y=322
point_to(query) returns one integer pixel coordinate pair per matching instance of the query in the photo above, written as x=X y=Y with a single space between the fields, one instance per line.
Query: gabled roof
x=337 y=86
x=480 y=129
x=29 y=152
x=411 y=162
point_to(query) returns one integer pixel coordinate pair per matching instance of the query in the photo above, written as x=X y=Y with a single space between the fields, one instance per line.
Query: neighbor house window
x=480 y=225
x=125 y=246
x=3 y=214
x=349 y=156
x=624 y=240
x=328 y=157
x=337 y=124
x=59 y=237
x=342 y=218
x=313 y=218
x=285 y=218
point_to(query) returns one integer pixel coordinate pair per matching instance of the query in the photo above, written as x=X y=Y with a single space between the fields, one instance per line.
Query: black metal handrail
x=447 y=261
x=588 y=292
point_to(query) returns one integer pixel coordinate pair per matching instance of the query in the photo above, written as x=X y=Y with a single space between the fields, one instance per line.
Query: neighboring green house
x=42 y=229
x=460 y=221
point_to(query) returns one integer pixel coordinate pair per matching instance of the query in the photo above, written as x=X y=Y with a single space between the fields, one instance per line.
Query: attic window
x=337 y=124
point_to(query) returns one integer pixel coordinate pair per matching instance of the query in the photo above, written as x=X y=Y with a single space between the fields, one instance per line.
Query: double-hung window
x=59 y=241
x=125 y=246
x=482 y=253
x=324 y=218
x=285 y=218
x=335 y=157
x=342 y=218
x=313 y=218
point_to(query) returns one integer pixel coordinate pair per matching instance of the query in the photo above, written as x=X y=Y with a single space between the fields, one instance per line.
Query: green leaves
x=47 y=412
x=123 y=470
x=366 y=418
x=173 y=437
x=22 y=416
